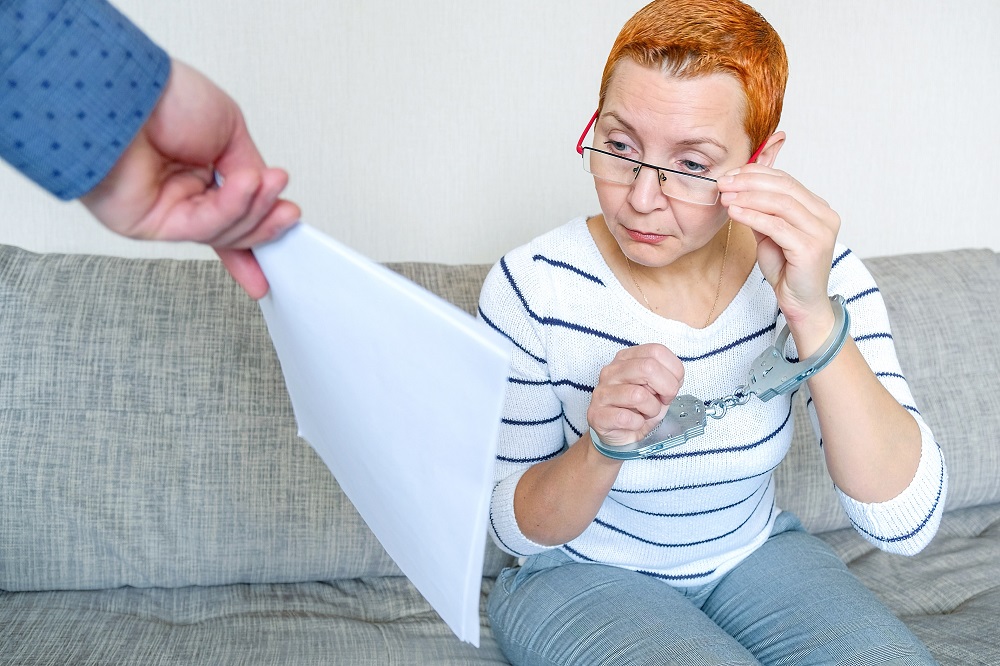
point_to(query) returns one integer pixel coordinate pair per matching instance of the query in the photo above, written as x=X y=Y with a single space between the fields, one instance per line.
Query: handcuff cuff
x=770 y=375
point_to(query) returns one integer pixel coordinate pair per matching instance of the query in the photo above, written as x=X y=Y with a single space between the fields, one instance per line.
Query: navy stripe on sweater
x=693 y=486
x=895 y=375
x=528 y=382
x=687 y=577
x=537 y=422
x=859 y=296
x=585 y=388
x=728 y=449
x=653 y=574
x=874 y=336
x=731 y=345
x=839 y=259
x=552 y=321
x=681 y=544
x=522 y=461
x=569 y=267
x=497 y=534
x=689 y=514
x=572 y=427
x=489 y=322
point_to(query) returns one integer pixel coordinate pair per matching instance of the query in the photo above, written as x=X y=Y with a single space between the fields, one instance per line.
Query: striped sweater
x=692 y=513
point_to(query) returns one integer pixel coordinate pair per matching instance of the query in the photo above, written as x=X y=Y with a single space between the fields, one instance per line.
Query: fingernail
x=735 y=210
x=727 y=197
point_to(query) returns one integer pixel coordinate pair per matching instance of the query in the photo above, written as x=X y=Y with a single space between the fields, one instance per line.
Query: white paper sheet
x=400 y=393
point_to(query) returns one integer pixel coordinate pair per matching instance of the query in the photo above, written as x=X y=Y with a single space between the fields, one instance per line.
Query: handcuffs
x=770 y=375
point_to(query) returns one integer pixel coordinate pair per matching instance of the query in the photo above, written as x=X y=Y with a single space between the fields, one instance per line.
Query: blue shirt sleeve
x=77 y=81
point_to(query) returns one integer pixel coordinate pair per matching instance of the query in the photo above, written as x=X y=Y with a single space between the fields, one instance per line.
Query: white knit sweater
x=691 y=514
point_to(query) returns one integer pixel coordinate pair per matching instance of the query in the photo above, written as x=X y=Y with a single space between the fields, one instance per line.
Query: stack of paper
x=400 y=393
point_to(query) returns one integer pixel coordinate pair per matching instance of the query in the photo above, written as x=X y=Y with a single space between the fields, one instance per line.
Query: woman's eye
x=617 y=146
x=693 y=167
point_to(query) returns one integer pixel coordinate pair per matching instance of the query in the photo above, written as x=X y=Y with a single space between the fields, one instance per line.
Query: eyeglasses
x=687 y=187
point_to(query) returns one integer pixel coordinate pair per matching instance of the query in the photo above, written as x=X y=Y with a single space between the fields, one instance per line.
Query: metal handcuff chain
x=770 y=375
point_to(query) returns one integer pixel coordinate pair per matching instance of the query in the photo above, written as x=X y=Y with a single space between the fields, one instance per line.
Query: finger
x=656 y=351
x=632 y=397
x=616 y=425
x=794 y=206
x=267 y=218
x=621 y=426
x=282 y=217
x=793 y=228
x=240 y=152
x=655 y=367
x=228 y=209
x=247 y=207
x=243 y=266
x=187 y=208
x=239 y=214
x=758 y=178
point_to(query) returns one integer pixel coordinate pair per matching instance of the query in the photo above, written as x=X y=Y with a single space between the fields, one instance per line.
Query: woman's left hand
x=796 y=232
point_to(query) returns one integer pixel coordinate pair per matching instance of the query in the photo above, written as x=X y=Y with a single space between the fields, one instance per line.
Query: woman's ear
x=768 y=153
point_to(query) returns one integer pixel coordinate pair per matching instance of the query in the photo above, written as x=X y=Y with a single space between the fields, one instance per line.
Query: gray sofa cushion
x=144 y=410
x=364 y=622
x=146 y=437
x=948 y=594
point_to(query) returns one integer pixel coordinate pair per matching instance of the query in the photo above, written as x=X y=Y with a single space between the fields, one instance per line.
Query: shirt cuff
x=503 y=524
x=79 y=86
x=907 y=522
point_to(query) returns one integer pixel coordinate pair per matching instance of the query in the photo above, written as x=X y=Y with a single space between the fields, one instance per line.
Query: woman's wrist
x=594 y=456
x=810 y=332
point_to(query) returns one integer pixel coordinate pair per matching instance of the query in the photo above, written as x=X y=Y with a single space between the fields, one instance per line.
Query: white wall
x=445 y=130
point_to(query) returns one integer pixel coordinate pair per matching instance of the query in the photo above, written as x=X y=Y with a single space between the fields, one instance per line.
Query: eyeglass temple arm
x=579 y=144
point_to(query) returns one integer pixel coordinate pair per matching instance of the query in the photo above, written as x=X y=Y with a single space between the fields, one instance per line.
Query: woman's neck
x=694 y=288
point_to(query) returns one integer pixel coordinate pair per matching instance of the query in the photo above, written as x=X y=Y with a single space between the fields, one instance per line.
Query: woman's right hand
x=633 y=393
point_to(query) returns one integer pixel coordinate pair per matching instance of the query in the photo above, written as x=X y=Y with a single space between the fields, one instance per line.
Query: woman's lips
x=641 y=237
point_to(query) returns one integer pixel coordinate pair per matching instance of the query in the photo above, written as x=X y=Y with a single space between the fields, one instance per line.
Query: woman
x=703 y=251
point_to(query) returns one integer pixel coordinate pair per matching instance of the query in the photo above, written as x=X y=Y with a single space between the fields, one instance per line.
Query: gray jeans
x=790 y=602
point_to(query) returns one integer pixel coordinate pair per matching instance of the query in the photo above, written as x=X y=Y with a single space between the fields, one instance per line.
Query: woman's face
x=693 y=125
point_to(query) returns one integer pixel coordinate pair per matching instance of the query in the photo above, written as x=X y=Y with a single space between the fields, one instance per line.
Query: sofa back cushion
x=147 y=439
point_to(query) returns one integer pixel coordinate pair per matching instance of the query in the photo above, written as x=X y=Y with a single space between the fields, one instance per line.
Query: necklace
x=718 y=288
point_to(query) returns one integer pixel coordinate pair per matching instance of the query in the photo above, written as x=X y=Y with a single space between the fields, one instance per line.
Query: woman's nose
x=646 y=195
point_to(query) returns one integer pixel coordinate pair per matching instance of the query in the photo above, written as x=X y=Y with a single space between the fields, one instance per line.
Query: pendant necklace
x=718 y=288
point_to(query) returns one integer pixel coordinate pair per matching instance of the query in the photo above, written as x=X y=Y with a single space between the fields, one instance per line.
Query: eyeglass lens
x=676 y=185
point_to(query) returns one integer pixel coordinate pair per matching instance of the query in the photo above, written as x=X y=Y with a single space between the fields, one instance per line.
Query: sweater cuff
x=907 y=522
x=503 y=525
x=80 y=85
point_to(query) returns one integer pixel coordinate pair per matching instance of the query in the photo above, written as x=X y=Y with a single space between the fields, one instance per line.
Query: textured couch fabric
x=157 y=507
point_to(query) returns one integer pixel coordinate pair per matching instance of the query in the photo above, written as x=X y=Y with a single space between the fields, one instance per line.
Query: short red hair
x=689 y=38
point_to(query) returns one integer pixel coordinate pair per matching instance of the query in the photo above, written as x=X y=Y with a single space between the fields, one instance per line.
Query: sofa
x=158 y=507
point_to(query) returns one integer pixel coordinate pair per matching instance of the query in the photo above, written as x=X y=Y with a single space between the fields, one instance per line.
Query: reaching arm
x=97 y=111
